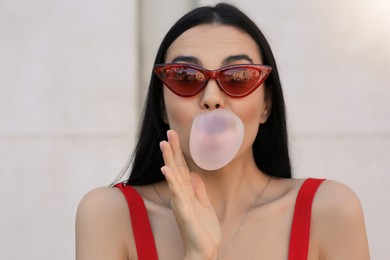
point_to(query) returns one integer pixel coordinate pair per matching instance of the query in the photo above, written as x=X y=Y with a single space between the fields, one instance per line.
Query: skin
x=207 y=207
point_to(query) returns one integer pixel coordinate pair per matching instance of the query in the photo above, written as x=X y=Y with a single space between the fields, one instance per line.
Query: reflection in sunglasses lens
x=236 y=80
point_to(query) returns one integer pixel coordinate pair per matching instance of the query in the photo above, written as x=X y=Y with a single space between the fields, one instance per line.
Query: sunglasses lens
x=184 y=81
x=239 y=81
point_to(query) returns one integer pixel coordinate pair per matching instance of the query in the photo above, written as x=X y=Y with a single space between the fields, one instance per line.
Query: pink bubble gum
x=215 y=138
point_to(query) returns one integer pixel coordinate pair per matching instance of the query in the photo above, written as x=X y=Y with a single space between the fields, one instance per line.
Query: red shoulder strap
x=300 y=229
x=143 y=235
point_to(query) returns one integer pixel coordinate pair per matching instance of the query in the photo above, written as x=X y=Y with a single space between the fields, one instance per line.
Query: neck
x=235 y=187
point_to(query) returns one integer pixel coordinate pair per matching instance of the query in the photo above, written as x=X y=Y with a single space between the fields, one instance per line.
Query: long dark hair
x=270 y=147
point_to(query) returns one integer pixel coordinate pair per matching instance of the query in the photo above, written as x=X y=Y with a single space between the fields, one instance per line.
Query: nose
x=212 y=96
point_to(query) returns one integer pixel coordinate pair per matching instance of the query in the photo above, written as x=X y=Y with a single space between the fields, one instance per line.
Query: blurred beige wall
x=72 y=78
x=67 y=115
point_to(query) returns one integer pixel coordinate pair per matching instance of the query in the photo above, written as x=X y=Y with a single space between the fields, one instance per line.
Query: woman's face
x=214 y=46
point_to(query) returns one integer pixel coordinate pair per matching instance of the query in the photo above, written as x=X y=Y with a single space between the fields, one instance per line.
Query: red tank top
x=300 y=228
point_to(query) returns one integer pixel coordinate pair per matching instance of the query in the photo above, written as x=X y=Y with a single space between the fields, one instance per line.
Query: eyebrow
x=234 y=58
x=226 y=61
x=187 y=59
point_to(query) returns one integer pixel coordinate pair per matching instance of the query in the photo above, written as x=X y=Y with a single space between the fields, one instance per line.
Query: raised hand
x=195 y=215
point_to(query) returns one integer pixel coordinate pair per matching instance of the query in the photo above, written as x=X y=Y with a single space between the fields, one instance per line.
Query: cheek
x=180 y=113
x=250 y=113
x=252 y=124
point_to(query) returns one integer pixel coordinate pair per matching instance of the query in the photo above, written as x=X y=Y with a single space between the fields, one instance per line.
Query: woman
x=249 y=208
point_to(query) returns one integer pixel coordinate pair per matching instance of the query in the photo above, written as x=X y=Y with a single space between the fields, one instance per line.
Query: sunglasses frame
x=264 y=70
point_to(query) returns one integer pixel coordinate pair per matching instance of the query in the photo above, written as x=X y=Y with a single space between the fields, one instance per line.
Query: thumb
x=200 y=189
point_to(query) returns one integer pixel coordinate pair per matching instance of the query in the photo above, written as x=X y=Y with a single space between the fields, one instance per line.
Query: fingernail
x=169 y=135
x=161 y=146
x=163 y=170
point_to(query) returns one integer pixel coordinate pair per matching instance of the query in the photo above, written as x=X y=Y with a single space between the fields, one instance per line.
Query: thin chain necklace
x=161 y=197
x=235 y=234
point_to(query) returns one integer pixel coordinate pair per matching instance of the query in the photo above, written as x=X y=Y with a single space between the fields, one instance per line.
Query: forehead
x=212 y=43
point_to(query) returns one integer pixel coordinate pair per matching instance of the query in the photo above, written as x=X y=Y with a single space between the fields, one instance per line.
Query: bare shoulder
x=102 y=199
x=335 y=202
x=103 y=229
x=338 y=223
x=104 y=204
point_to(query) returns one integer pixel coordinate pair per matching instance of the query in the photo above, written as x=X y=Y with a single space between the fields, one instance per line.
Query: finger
x=200 y=189
x=182 y=193
x=177 y=152
x=174 y=187
x=167 y=154
x=176 y=177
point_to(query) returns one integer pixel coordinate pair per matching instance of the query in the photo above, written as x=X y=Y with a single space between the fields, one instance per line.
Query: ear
x=264 y=116
x=267 y=107
x=164 y=116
